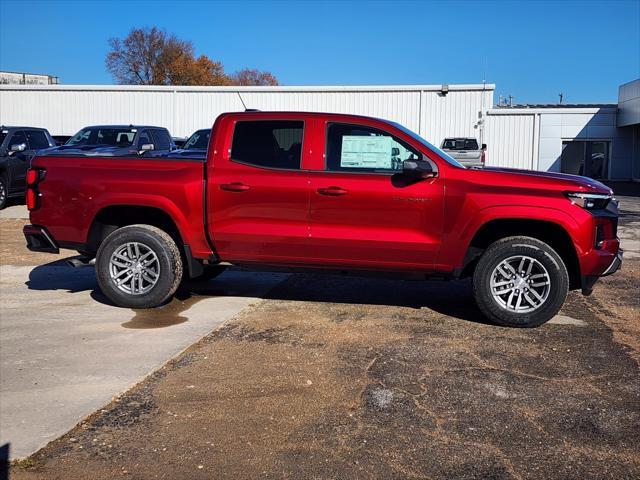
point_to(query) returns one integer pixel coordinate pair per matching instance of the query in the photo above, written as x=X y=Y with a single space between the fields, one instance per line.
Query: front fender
x=459 y=239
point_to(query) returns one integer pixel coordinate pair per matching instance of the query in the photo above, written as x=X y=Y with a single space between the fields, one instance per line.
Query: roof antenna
x=240 y=97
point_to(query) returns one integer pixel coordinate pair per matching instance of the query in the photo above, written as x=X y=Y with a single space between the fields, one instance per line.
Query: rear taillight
x=34 y=176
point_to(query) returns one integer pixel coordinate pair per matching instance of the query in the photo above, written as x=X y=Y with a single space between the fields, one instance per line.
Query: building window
x=588 y=158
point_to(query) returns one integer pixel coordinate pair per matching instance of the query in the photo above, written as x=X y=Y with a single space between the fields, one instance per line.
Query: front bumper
x=589 y=281
x=39 y=239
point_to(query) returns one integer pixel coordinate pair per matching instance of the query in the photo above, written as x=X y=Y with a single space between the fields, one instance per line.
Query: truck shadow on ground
x=452 y=298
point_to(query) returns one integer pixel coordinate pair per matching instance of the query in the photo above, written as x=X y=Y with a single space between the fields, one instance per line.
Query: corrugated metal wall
x=66 y=109
x=511 y=141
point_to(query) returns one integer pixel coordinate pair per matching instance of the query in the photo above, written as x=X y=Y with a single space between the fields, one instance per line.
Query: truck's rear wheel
x=138 y=266
x=520 y=282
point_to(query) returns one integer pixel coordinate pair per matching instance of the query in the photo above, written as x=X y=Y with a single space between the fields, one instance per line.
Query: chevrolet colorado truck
x=326 y=192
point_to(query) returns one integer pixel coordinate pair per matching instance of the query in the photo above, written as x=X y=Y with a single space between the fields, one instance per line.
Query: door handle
x=332 y=191
x=234 y=187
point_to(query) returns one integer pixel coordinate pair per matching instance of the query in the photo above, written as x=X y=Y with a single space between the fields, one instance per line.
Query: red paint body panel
x=272 y=216
x=75 y=189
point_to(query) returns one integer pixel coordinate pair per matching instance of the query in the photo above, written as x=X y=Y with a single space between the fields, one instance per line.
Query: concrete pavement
x=66 y=352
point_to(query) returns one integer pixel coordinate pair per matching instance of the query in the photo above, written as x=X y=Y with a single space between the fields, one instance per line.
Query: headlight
x=590 y=201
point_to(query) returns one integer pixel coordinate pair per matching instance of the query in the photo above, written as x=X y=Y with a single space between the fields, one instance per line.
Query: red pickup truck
x=328 y=192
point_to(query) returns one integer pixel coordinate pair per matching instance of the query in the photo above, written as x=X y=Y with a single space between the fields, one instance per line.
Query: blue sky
x=531 y=50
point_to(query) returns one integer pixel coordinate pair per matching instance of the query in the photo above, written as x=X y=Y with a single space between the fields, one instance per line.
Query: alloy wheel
x=134 y=268
x=520 y=284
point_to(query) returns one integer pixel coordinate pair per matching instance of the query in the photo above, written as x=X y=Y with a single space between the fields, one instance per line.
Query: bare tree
x=248 y=76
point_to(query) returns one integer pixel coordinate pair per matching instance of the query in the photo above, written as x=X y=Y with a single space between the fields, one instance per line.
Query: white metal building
x=577 y=139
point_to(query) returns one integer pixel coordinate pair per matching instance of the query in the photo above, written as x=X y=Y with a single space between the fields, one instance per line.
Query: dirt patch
x=13 y=246
x=340 y=388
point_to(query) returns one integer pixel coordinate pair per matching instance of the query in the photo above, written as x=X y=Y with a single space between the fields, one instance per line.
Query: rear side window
x=37 y=139
x=162 y=141
x=362 y=149
x=268 y=143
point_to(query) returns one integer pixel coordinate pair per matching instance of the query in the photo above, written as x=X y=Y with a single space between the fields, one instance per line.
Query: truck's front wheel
x=4 y=190
x=138 y=266
x=520 y=282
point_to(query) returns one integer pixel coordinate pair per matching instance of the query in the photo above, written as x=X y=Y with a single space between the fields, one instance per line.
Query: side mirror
x=147 y=147
x=18 y=147
x=420 y=168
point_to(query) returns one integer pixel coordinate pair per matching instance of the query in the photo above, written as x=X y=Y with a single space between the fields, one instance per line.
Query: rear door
x=258 y=193
x=364 y=212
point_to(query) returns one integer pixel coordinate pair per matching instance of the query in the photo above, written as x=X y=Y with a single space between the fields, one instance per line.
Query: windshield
x=460 y=144
x=117 y=137
x=445 y=156
x=3 y=135
x=198 y=141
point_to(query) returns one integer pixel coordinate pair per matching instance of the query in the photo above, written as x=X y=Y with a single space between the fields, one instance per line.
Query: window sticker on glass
x=366 y=152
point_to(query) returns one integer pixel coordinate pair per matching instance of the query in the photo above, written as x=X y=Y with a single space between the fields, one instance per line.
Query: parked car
x=179 y=141
x=18 y=145
x=314 y=191
x=61 y=139
x=118 y=140
x=465 y=150
x=195 y=146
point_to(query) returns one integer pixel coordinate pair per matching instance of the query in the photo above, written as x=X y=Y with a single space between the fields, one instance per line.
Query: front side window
x=18 y=138
x=268 y=143
x=37 y=140
x=162 y=140
x=357 y=148
x=144 y=139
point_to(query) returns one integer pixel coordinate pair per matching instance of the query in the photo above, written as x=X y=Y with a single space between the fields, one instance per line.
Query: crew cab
x=326 y=192
x=18 y=145
x=118 y=140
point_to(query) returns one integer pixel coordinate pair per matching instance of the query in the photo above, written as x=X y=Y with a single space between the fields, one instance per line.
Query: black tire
x=4 y=190
x=168 y=260
x=508 y=248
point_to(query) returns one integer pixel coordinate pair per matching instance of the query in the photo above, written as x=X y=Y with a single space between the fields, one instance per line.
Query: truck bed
x=78 y=188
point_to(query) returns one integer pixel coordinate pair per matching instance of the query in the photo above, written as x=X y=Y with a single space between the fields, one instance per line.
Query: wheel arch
x=550 y=232
x=112 y=217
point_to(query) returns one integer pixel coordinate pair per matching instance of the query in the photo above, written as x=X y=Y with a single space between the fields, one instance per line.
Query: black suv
x=18 y=145
x=118 y=141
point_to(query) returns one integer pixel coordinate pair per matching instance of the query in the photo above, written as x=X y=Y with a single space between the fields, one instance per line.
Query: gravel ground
x=333 y=377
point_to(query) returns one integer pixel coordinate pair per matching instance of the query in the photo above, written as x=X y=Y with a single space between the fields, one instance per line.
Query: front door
x=19 y=161
x=364 y=213
x=259 y=195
